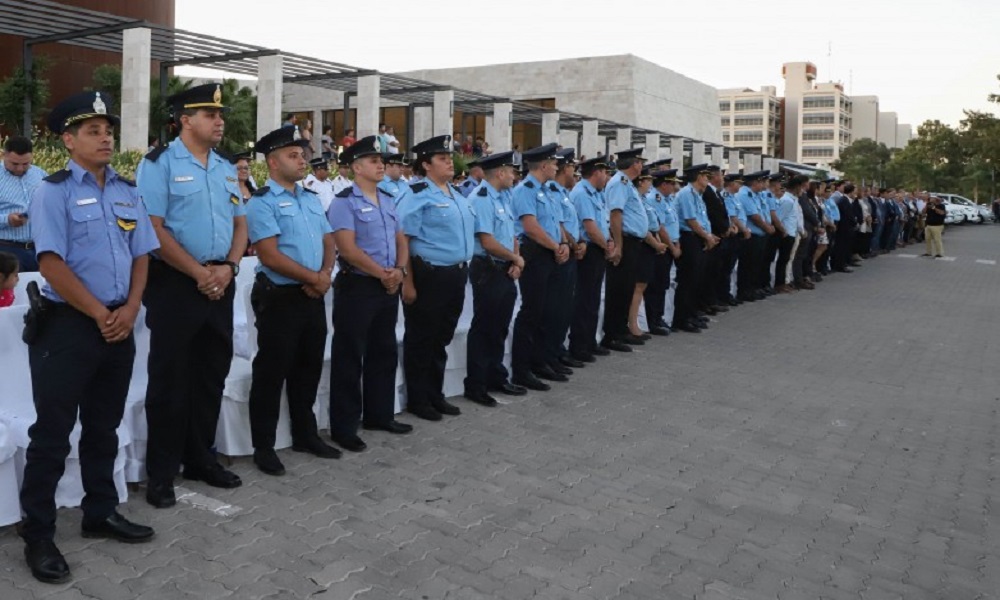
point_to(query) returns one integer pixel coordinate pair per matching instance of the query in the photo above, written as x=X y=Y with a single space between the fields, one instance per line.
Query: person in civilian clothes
x=709 y=300
x=440 y=226
x=292 y=237
x=373 y=256
x=588 y=198
x=92 y=237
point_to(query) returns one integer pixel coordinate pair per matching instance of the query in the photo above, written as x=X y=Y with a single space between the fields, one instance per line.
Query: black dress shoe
x=480 y=397
x=46 y=562
x=769 y=290
x=446 y=408
x=509 y=389
x=687 y=327
x=392 y=426
x=720 y=308
x=710 y=310
x=600 y=351
x=584 y=357
x=548 y=374
x=761 y=295
x=531 y=383
x=268 y=462
x=845 y=270
x=351 y=443
x=316 y=447
x=699 y=323
x=659 y=330
x=117 y=527
x=747 y=298
x=214 y=475
x=633 y=340
x=561 y=369
x=160 y=495
x=569 y=361
x=700 y=319
x=617 y=346
x=426 y=412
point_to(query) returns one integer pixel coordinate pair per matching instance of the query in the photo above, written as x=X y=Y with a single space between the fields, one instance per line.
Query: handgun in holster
x=35 y=316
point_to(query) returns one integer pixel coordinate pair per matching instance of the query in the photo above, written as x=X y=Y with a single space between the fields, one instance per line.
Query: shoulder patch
x=225 y=155
x=344 y=192
x=127 y=181
x=262 y=190
x=553 y=188
x=529 y=184
x=590 y=191
x=155 y=153
x=482 y=192
x=58 y=176
x=419 y=187
x=624 y=179
x=305 y=189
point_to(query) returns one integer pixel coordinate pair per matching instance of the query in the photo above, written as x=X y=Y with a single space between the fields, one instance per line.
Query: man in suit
x=715 y=258
x=845 y=228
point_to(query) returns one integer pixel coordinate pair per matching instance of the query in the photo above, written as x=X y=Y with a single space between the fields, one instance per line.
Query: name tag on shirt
x=442 y=205
x=183 y=178
x=86 y=201
x=499 y=211
x=284 y=204
x=367 y=209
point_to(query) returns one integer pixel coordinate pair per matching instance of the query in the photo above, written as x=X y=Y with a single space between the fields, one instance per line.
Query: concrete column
x=317 y=132
x=697 y=153
x=550 y=128
x=423 y=128
x=751 y=162
x=734 y=161
x=623 y=140
x=136 y=53
x=444 y=113
x=501 y=134
x=269 y=90
x=677 y=153
x=771 y=164
x=590 y=145
x=367 y=103
x=717 y=156
x=652 y=149
x=570 y=139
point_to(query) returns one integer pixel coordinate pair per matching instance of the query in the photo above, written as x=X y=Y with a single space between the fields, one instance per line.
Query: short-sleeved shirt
x=493 y=216
x=296 y=219
x=196 y=202
x=748 y=199
x=468 y=186
x=397 y=188
x=323 y=189
x=529 y=198
x=765 y=200
x=570 y=220
x=788 y=215
x=661 y=207
x=15 y=198
x=672 y=220
x=652 y=214
x=98 y=233
x=691 y=206
x=590 y=206
x=441 y=226
x=374 y=226
x=620 y=194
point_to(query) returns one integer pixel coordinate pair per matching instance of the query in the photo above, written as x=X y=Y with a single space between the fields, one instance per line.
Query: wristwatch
x=403 y=269
x=234 y=266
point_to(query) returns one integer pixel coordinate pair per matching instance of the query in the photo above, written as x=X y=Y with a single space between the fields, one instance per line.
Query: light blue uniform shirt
x=767 y=204
x=468 y=186
x=661 y=206
x=397 y=189
x=786 y=213
x=374 y=226
x=748 y=200
x=691 y=206
x=297 y=220
x=441 y=227
x=529 y=198
x=493 y=216
x=620 y=194
x=590 y=206
x=197 y=204
x=832 y=211
x=15 y=198
x=570 y=220
x=672 y=221
x=652 y=215
x=97 y=233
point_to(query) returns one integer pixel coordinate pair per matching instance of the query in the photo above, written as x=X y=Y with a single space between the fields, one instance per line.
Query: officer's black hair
x=626 y=163
x=848 y=188
x=17 y=144
x=8 y=265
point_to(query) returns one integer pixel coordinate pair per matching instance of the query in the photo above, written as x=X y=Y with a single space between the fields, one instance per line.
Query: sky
x=925 y=60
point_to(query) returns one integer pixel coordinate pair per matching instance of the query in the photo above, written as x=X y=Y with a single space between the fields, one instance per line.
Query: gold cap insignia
x=99 y=106
x=217 y=97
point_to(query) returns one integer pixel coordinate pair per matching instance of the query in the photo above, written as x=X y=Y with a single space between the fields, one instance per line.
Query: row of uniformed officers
x=172 y=241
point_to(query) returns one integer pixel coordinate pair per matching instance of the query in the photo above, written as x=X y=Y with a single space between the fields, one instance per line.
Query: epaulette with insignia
x=589 y=191
x=344 y=192
x=155 y=153
x=225 y=155
x=529 y=184
x=419 y=187
x=127 y=181
x=305 y=189
x=624 y=179
x=553 y=188
x=482 y=191
x=59 y=176
x=262 y=190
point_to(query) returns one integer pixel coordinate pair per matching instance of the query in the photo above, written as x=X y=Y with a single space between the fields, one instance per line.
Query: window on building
x=725 y=121
x=817 y=152
x=745 y=105
x=724 y=105
x=817 y=119
x=819 y=102
x=817 y=135
x=749 y=121
x=725 y=136
x=749 y=136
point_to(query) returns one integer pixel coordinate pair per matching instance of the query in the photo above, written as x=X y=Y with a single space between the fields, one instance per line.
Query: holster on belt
x=35 y=318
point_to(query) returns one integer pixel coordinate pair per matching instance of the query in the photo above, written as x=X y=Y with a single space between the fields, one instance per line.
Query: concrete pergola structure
x=431 y=106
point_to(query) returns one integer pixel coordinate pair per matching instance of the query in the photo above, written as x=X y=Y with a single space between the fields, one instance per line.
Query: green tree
x=14 y=88
x=241 y=121
x=108 y=80
x=864 y=160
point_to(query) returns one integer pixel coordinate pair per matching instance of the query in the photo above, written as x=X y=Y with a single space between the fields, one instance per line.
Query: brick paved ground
x=832 y=444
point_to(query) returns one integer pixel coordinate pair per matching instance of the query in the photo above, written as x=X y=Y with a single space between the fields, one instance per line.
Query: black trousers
x=620 y=287
x=364 y=354
x=655 y=296
x=841 y=251
x=802 y=261
x=751 y=255
x=73 y=370
x=528 y=349
x=690 y=269
x=730 y=249
x=558 y=313
x=493 y=296
x=708 y=283
x=771 y=244
x=784 y=255
x=190 y=353
x=587 y=300
x=291 y=336
x=430 y=326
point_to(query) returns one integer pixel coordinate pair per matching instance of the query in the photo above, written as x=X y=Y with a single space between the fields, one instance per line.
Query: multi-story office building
x=751 y=120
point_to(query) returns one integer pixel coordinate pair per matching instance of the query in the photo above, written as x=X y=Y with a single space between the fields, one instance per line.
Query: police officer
x=440 y=226
x=588 y=199
x=496 y=265
x=629 y=226
x=293 y=240
x=92 y=237
x=319 y=181
x=738 y=220
x=473 y=180
x=696 y=239
x=770 y=195
x=341 y=182
x=661 y=198
x=752 y=250
x=544 y=248
x=652 y=248
x=373 y=257
x=392 y=182
x=191 y=194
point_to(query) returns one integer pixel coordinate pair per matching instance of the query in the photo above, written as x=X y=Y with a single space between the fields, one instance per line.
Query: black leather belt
x=21 y=245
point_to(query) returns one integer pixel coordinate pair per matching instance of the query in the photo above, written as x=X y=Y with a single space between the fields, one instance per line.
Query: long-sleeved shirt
x=15 y=198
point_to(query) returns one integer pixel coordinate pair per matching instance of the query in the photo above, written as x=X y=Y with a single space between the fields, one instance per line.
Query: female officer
x=439 y=224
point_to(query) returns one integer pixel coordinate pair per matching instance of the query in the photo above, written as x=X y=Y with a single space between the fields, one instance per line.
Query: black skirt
x=645 y=265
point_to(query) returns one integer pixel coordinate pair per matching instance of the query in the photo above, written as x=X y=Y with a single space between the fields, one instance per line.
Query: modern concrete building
x=865 y=118
x=751 y=120
x=887 y=122
x=904 y=133
x=818 y=117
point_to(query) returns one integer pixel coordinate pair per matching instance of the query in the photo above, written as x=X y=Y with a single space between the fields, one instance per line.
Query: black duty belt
x=21 y=245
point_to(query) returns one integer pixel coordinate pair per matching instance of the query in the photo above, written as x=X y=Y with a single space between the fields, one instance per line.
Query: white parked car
x=974 y=213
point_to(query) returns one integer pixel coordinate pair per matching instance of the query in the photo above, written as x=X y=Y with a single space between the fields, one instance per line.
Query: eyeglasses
x=242 y=168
